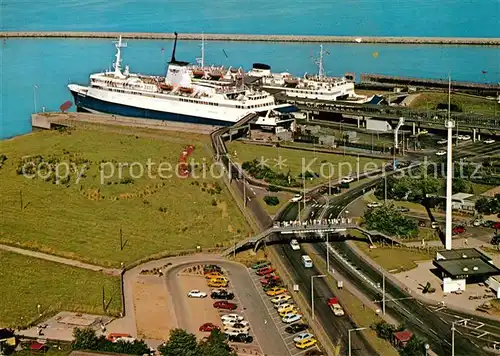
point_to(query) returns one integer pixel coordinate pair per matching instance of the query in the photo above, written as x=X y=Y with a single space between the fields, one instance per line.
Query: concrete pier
x=49 y=120
x=258 y=38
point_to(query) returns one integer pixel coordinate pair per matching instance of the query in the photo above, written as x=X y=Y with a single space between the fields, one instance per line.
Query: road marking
x=444 y=321
x=483 y=334
x=432 y=331
x=420 y=321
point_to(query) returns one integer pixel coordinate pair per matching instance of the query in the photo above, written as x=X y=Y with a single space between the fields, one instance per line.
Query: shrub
x=272 y=201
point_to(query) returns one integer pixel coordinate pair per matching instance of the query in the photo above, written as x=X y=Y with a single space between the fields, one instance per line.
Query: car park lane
x=275 y=319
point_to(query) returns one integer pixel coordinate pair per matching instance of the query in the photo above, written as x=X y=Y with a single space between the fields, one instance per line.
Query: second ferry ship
x=174 y=97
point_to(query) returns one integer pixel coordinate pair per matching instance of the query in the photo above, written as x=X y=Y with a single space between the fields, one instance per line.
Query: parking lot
x=275 y=318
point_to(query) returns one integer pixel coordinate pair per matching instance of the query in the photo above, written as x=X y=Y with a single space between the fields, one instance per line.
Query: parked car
x=225 y=305
x=264 y=271
x=211 y=268
x=233 y=333
x=268 y=279
x=303 y=336
x=213 y=274
x=478 y=222
x=347 y=180
x=305 y=344
x=232 y=316
x=237 y=328
x=458 y=230
x=286 y=307
x=489 y=141
x=208 y=327
x=284 y=297
x=422 y=223
x=291 y=310
x=402 y=209
x=236 y=324
x=222 y=294
x=442 y=142
x=374 y=205
x=294 y=244
x=195 y=293
x=275 y=291
x=291 y=318
x=441 y=153
x=243 y=338
x=495 y=240
x=296 y=328
x=434 y=225
x=261 y=264
x=496 y=225
x=217 y=284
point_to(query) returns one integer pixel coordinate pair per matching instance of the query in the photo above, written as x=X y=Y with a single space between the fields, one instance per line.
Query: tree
x=270 y=200
x=85 y=339
x=389 y=220
x=180 y=342
x=460 y=185
x=215 y=345
x=414 y=347
x=384 y=330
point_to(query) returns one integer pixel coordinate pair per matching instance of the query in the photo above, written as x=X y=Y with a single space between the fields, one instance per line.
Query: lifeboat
x=291 y=82
x=164 y=86
x=215 y=75
x=185 y=90
x=198 y=73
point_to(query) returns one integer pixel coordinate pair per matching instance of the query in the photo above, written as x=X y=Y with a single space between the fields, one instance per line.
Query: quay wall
x=258 y=38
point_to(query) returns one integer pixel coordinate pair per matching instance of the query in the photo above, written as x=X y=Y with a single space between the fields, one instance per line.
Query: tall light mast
x=449 y=124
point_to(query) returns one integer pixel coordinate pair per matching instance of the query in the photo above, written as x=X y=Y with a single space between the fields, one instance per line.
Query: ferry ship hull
x=90 y=104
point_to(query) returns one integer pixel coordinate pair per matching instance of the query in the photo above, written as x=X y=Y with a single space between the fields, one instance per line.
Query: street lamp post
x=356 y=329
x=35 y=87
x=312 y=292
x=453 y=339
x=327 y=254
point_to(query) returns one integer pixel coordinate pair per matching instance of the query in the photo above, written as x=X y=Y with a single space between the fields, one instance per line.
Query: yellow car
x=304 y=344
x=213 y=275
x=292 y=310
x=285 y=307
x=275 y=291
x=217 y=284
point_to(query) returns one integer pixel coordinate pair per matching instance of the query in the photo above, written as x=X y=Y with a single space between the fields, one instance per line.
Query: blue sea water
x=50 y=64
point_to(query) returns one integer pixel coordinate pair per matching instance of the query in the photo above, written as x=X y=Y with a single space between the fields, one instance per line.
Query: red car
x=496 y=225
x=264 y=271
x=209 y=327
x=458 y=230
x=269 y=279
x=225 y=305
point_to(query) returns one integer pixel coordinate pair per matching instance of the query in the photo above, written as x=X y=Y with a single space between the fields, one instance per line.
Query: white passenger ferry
x=174 y=97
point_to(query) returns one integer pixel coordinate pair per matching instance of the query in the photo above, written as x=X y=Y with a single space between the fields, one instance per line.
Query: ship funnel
x=172 y=60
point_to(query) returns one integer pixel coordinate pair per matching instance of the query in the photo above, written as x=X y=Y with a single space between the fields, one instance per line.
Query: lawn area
x=155 y=212
x=395 y=259
x=295 y=161
x=466 y=103
x=29 y=281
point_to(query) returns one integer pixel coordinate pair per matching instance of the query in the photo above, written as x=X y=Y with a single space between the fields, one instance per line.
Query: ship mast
x=201 y=61
x=320 y=65
x=118 y=44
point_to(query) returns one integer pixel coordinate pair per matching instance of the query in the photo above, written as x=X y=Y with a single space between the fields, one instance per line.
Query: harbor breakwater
x=259 y=38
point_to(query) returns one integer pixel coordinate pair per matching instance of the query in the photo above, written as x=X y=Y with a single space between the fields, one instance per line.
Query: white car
x=442 y=142
x=423 y=132
x=291 y=318
x=281 y=297
x=231 y=323
x=347 y=180
x=303 y=336
x=488 y=141
x=464 y=137
x=374 y=205
x=441 y=153
x=234 y=317
x=296 y=198
x=195 y=293
x=434 y=225
x=478 y=222
x=241 y=330
x=234 y=332
x=294 y=244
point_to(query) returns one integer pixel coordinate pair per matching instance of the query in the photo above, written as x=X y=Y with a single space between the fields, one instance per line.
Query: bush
x=273 y=188
x=272 y=201
x=389 y=220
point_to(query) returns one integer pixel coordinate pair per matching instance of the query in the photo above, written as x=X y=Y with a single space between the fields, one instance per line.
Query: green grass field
x=395 y=259
x=27 y=282
x=295 y=161
x=82 y=220
x=466 y=103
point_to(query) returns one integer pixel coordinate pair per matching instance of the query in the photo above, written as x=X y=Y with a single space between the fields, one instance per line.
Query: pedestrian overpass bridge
x=304 y=231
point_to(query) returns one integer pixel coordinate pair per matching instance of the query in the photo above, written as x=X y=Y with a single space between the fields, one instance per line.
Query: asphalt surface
x=335 y=327
x=431 y=322
x=253 y=308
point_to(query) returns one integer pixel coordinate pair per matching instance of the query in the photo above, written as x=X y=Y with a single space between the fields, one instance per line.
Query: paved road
x=256 y=312
x=66 y=261
x=336 y=328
